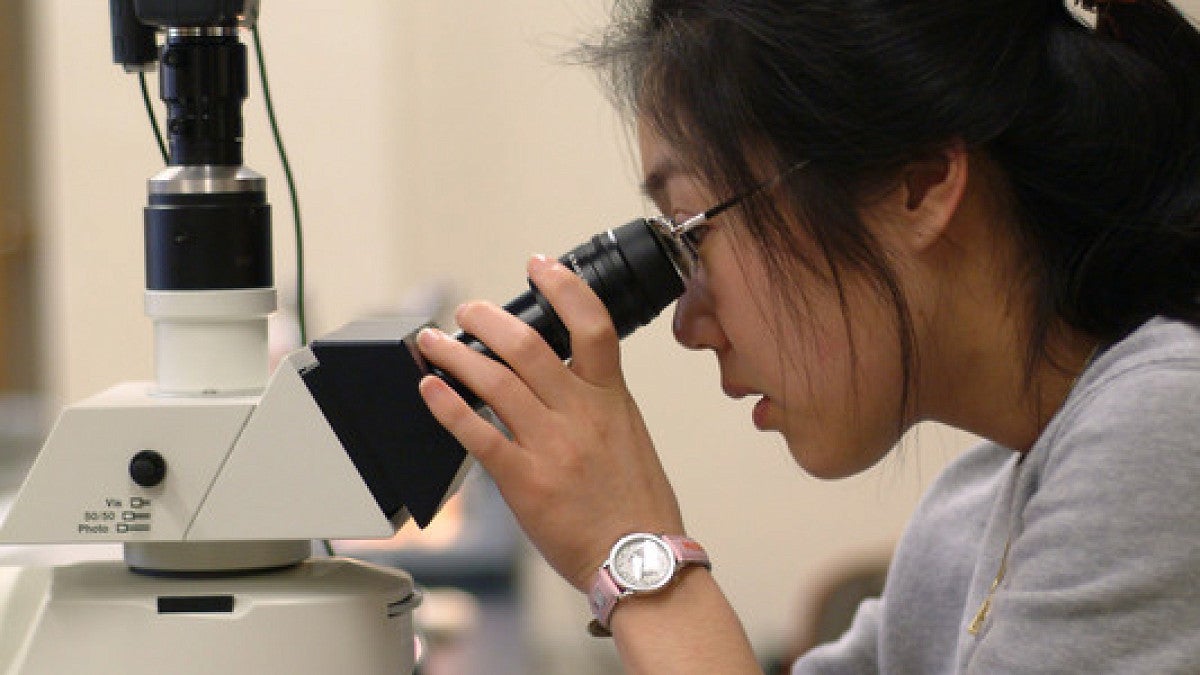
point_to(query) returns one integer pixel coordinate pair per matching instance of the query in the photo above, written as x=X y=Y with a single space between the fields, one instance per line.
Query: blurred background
x=436 y=146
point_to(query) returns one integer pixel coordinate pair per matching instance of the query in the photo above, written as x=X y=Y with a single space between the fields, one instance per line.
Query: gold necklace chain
x=986 y=606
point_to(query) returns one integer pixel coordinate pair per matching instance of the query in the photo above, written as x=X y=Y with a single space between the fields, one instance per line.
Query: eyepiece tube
x=634 y=269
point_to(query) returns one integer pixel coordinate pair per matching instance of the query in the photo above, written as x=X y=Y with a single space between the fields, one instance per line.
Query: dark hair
x=1095 y=133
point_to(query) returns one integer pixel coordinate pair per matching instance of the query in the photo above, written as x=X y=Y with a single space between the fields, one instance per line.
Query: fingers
x=480 y=438
x=507 y=395
x=519 y=346
x=538 y=380
x=596 y=356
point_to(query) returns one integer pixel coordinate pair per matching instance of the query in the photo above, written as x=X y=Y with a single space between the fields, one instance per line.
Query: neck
x=990 y=388
x=973 y=317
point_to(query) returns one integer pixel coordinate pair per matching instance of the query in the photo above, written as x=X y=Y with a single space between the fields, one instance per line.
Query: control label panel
x=116 y=515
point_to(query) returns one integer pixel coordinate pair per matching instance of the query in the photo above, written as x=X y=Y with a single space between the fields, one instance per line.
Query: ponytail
x=1118 y=240
x=1158 y=32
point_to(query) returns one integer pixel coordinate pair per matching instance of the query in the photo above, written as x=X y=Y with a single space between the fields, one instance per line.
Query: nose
x=695 y=323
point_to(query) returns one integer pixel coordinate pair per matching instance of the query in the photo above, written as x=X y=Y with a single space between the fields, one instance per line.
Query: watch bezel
x=641 y=539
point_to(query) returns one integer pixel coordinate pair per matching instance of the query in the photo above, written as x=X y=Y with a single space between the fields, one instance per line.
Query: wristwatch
x=639 y=563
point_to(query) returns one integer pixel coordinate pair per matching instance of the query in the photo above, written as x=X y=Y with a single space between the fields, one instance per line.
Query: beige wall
x=436 y=141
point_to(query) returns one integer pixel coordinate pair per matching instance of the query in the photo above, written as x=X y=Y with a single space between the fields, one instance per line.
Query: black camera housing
x=196 y=13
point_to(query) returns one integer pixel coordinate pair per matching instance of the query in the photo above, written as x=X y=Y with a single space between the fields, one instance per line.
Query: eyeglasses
x=686 y=236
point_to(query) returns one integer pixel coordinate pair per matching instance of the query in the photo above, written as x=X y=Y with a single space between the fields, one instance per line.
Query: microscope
x=217 y=476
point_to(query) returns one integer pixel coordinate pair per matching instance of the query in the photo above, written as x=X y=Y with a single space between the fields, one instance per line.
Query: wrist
x=687 y=628
x=639 y=564
x=648 y=612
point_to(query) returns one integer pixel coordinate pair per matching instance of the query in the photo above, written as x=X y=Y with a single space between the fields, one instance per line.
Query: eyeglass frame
x=680 y=234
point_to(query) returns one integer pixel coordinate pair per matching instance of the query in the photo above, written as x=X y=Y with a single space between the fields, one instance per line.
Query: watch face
x=642 y=563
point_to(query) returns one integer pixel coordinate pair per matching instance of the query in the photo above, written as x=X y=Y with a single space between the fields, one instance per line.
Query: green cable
x=162 y=147
x=291 y=183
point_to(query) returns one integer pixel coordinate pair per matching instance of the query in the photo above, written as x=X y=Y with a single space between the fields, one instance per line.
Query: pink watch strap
x=604 y=592
x=687 y=550
x=603 y=600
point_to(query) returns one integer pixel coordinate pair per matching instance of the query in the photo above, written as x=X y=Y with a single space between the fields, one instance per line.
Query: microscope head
x=338 y=446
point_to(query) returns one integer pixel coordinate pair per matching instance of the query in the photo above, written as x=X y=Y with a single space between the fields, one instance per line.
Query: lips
x=761 y=411
x=737 y=392
x=761 y=408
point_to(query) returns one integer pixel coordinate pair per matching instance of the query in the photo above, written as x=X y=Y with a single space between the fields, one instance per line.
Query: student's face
x=837 y=412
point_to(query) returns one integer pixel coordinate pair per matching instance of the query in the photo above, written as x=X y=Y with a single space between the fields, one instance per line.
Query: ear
x=930 y=191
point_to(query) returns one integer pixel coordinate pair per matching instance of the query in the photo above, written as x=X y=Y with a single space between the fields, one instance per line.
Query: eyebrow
x=655 y=184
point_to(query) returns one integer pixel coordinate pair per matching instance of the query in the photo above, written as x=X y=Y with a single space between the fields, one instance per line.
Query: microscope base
x=321 y=616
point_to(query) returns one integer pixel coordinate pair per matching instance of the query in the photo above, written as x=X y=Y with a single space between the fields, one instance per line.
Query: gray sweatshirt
x=1103 y=515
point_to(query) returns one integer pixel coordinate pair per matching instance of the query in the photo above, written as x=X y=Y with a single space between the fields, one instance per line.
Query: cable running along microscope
x=215 y=478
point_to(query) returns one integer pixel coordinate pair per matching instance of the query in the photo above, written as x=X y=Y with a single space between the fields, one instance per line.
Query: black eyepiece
x=632 y=268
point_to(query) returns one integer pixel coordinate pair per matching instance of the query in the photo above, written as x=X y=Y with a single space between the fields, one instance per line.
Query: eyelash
x=696 y=236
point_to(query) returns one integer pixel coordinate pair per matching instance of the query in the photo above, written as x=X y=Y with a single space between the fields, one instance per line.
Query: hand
x=580 y=470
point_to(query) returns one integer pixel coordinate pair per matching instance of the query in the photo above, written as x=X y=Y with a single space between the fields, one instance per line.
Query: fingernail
x=538 y=264
x=433 y=391
x=429 y=335
x=543 y=262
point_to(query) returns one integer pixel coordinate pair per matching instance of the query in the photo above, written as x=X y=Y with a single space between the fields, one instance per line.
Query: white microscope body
x=216 y=499
x=213 y=478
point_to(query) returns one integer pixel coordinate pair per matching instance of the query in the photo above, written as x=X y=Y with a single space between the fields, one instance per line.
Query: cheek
x=841 y=381
x=802 y=309
x=814 y=351
x=828 y=359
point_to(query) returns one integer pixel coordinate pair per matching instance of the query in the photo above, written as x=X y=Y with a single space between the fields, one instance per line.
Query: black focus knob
x=147 y=468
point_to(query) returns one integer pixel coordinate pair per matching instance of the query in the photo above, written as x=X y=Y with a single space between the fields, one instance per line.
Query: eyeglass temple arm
x=700 y=218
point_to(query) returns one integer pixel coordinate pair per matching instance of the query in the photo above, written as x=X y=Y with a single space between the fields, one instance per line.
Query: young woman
x=983 y=213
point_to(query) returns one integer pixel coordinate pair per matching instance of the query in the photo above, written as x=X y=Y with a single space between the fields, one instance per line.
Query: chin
x=828 y=471
x=819 y=462
x=831 y=461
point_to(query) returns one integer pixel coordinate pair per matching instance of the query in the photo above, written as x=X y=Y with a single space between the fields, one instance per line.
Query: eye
x=696 y=235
